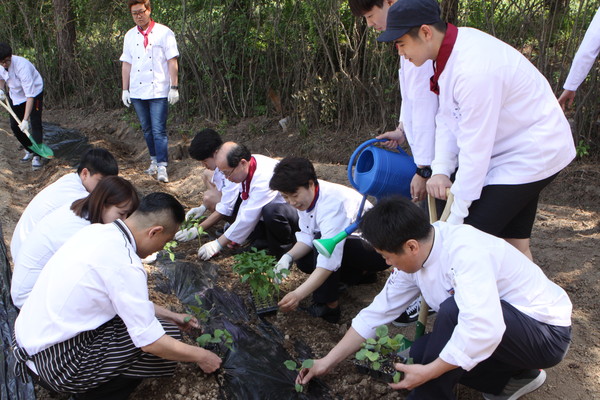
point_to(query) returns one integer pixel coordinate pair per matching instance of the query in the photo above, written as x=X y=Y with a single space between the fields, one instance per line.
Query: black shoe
x=411 y=314
x=322 y=311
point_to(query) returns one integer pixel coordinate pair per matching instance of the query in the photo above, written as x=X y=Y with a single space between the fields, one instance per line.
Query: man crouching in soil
x=499 y=318
x=88 y=327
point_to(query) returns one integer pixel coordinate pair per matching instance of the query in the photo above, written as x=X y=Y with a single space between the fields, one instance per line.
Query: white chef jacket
x=498 y=120
x=230 y=192
x=22 y=79
x=259 y=196
x=65 y=190
x=45 y=239
x=95 y=276
x=585 y=56
x=149 y=77
x=479 y=270
x=336 y=208
x=418 y=109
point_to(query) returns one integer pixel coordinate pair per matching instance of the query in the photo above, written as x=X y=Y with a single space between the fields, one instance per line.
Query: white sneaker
x=519 y=386
x=162 y=174
x=28 y=156
x=36 y=162
x=152 y=169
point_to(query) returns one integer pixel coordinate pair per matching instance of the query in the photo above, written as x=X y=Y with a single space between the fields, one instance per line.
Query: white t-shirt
x=259 y=196
x=586 y=55
x=230 y=192
x=65 y=190
x=498 y=120
x=336 y=208
x=22 y=79
x=95 y=276
x=43 y=241
x=479 y=270
x=149 y=77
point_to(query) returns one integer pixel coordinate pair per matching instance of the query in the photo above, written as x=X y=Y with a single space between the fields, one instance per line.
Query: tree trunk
x=65 y=41
x=450 y=11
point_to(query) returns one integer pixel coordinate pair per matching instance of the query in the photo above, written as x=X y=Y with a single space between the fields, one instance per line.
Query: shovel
x=39 y=149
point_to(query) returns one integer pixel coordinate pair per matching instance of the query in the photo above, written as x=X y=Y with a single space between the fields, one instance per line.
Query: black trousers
x=35 y=121
x=526 y=344
x=278 y=228
x=357 y=261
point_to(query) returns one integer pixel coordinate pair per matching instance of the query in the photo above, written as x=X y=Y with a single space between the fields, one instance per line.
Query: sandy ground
x=564 y=243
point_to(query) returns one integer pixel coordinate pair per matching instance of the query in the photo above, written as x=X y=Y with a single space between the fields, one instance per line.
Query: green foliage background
x=311 y=60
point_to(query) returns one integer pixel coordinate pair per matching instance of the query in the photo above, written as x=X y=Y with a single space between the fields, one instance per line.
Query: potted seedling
x=256 y=267
x=377 y=356
x=218 y=342
x=293 y=366
x=187 y=224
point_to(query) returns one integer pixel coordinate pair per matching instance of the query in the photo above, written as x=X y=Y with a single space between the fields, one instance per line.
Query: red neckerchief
x=314 y=202
x=146 y=32
x=440 y=63
x=246 y=182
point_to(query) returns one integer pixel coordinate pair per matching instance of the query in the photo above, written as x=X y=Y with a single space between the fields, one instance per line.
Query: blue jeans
x=153 y=118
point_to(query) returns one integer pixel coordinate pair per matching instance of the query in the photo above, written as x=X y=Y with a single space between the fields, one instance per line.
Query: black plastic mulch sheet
x=11 y=387
x=254 y=369
x=67 y=144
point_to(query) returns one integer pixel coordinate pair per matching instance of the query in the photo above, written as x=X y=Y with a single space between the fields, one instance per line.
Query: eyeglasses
x=138 y=13
x=229 y=173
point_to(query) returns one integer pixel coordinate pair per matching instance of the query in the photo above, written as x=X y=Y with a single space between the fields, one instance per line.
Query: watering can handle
x=356 y=153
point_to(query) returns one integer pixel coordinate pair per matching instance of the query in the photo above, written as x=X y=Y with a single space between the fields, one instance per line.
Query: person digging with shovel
x=26 y=97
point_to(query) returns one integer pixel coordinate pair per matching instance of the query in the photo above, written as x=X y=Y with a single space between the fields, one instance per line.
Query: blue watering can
x=378 y=173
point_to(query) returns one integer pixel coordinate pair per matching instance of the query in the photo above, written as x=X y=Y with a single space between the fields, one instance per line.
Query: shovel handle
x=6 y=105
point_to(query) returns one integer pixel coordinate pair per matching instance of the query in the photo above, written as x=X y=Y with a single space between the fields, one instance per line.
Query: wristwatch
x=424 y=172
x=175 y=87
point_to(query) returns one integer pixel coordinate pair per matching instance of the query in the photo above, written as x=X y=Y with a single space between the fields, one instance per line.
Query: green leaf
x=299 y=388
x=376 y=366
x=290 y=364
x=187 y=319
x=397 y=377
x=361 y=354
x=308 y=363
x=382 y=331
x=372 y=356
x=203 y=339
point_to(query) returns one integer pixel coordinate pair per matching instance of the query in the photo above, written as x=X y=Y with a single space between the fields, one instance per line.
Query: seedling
x=187 y=224
x=169 y=246
x=219 y=338
x=380 y=354
x=293 y=366
x=201 y=314
x=257 y=268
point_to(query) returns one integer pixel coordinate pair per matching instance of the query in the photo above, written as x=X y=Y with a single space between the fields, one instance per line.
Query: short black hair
x=392 y=222
x=99 y=161
x=160 y=201
x=359 y=7
x=5 y=50
x=238 y=153
x=438 y=26
x=204 y=144
x=292 y=173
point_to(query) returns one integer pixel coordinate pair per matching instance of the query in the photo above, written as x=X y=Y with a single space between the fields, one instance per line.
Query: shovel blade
x=41 y=150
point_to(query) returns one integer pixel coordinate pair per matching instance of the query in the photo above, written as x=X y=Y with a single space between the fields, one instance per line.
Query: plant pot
x=265 y=306
x=385 y=373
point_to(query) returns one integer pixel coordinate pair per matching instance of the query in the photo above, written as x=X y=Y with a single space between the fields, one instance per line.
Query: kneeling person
x=324 y=210
x=101 y=333
x=500 y=319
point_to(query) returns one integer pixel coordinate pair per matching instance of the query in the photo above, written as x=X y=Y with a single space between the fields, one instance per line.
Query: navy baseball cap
x=406 y=14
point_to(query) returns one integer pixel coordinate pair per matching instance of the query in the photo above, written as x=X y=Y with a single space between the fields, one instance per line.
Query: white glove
x=2 y=95
x=126 y=99
x=207 y=251
x=195 y=212
x=24 y=126
x=173 y=96
x=284 y=263
x=186 y=234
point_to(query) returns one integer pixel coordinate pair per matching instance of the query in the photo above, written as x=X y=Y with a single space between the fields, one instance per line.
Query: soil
x=564 y=244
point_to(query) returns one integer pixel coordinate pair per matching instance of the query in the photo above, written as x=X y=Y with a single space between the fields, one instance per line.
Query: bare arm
x=172 y=349
x=291 y=300
x=125 y=74
x=173 y=71
x=28 y=108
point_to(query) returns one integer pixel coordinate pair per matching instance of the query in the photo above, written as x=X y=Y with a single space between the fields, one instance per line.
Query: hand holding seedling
x=187 y=322
x=210 y=362
x=289 y=302
x=319 y=367
x=417 y=374
x=292 y=366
